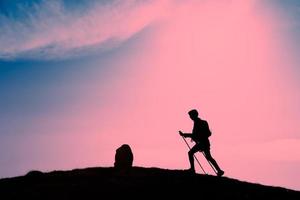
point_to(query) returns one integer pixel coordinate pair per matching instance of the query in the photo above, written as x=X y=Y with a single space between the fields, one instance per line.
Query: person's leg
x=191 y=153
x=213 y=162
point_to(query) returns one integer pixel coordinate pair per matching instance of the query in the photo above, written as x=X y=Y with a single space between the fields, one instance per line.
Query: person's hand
x=180 y=133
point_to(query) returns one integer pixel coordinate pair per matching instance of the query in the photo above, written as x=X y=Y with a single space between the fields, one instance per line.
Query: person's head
x=193 y=114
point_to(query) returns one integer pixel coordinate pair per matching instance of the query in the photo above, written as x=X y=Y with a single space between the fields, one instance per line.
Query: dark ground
x=142 y=183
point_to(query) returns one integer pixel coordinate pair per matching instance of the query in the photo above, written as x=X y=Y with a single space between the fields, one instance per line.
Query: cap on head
x=193 y=113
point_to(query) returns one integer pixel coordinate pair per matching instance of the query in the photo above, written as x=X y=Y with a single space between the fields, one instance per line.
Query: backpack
x=205 y=129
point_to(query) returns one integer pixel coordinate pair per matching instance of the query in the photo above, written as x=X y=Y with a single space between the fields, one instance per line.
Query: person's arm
x=185 y=134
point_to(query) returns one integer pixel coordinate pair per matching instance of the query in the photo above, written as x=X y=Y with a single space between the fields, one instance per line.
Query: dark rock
x=123 y=158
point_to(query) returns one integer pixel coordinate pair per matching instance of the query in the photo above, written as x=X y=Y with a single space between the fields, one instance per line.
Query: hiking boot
x=191 y=170
x=220 y=173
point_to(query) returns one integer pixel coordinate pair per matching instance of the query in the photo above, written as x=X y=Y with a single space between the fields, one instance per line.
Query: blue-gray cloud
x=58 y=29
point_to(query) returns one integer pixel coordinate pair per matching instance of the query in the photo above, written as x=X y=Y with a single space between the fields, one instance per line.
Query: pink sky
x=224 y=59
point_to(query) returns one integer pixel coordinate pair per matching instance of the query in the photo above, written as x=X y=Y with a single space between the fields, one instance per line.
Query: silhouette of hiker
x=200 y=135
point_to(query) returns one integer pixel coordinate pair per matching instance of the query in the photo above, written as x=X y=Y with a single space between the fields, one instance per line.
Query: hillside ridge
x=94 y=182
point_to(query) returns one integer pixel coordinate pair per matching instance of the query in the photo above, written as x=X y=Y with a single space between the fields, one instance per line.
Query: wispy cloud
x=49 y=30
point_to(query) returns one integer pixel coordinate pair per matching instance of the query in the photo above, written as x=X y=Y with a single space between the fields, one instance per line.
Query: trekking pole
x=194 y=155
x=209 y=163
